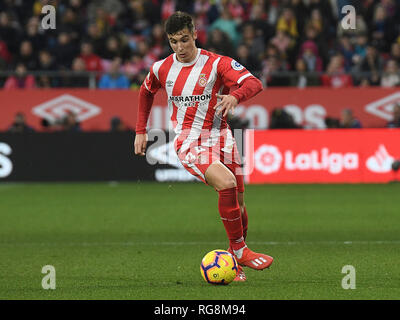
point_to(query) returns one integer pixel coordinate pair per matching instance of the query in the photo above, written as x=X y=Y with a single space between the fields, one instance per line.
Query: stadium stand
x=285 y=43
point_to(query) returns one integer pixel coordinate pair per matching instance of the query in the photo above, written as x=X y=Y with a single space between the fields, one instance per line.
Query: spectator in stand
x=382 y=30
x=141 y=15
x=27 y=56
x=5 y=55
x=117 y=125
x=335 y=76
x=77 y=77
x=325 y=10
x=92 y=60
x=281 y=119
x=395 y=122
x=21 y=80
x=311 y=34
x=227 y=24
x=9 y=32
x=70 y=122
x=317 y=23
x=64 y=51
x=168 y=7
x=300 y=12
x=47 y=64
x=96 y=38
x=391 y=75
x=114 y=79
x=19 y=125
x=348 y=120
x=360 y=49
x=283 y=42
x=287 y=22
x=32 y=34
x=244 y=58
x=303 y=78
x=70 y=24
x=273 y=66
x=347 y=51
x=237 y=11
x=258 y=18
x=309 y=53
x=138 y=79
x=46 y=61
x=158 y=42
x=371 y=66
x=219 y=42
x=253 y=42
x=113 y=49
x=133 y=67
x=146 y=55
x=394 y=52
x=201 y=9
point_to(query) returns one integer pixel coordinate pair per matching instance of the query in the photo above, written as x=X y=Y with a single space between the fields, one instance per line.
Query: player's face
x=183 y=44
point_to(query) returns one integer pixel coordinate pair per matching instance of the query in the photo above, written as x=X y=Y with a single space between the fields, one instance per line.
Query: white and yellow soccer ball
x=219 y=267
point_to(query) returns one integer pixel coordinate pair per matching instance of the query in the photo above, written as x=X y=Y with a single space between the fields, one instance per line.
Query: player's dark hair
x=179 y=21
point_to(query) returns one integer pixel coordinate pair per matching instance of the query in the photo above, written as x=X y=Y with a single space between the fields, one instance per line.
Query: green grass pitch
x=146 y=240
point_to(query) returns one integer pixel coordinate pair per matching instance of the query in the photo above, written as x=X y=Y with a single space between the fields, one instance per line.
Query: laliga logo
x=268 y=159
x=381 y=161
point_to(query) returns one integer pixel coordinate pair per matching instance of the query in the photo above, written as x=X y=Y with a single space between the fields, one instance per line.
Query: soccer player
x=198 y=83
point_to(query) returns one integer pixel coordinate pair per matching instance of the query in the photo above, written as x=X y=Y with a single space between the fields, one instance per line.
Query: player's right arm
x=147 y=91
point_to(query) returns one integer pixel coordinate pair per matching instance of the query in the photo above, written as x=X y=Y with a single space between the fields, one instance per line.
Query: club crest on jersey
x=202 y=80
x=236 y=65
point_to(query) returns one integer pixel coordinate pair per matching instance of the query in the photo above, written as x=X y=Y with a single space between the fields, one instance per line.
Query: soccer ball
x=219 y=267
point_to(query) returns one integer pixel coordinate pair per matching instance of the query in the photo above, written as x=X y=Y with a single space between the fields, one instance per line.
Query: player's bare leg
x=224 y=181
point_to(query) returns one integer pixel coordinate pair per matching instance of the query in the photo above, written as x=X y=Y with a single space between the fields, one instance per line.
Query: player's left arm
x=233 y=73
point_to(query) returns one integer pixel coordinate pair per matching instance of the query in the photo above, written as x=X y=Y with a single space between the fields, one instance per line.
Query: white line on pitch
x=195 y=243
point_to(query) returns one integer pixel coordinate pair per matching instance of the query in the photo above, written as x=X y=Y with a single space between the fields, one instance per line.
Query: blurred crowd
x=285 y=43
x=67 y=123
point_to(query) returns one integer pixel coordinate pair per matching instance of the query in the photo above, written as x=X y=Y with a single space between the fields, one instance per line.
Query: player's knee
x=227 y=184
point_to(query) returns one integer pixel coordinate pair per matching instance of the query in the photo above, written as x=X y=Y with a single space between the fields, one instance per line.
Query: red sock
x=231 y=216
x=245 y=222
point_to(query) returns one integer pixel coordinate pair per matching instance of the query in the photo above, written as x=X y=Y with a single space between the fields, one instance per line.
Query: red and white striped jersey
x=191 y=89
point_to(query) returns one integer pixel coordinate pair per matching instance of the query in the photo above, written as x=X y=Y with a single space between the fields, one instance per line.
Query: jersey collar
x=186 y=64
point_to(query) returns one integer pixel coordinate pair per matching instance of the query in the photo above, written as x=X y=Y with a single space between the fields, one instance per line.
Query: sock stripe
x=226 y=219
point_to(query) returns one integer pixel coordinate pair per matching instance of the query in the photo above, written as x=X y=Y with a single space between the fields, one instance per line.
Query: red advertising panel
x=322 y=156
x=95 y=108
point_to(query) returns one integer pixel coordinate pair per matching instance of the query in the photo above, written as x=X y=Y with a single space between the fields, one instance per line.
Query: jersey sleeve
x=232 y=72
x=151 y=83
x=147 y=91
